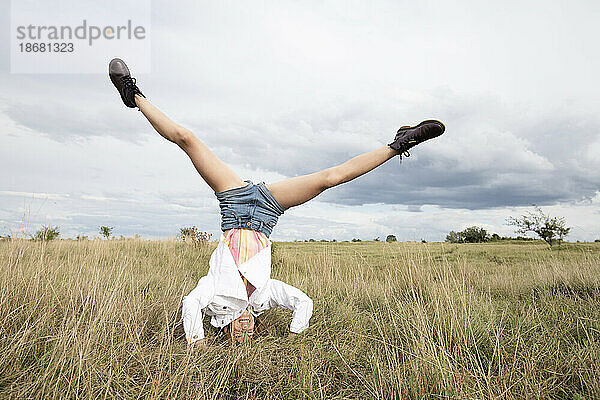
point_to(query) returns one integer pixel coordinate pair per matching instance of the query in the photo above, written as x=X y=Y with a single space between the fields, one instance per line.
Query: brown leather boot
x=125 y=84
x=409 y=136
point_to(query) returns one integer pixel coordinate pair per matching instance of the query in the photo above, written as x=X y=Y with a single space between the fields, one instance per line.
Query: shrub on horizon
x=495 y=237
x=473 y=234
x=194 y=236
x=46 y=233
x=106 y=231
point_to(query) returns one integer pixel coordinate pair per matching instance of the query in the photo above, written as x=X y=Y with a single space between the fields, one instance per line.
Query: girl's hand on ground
x=292 y=335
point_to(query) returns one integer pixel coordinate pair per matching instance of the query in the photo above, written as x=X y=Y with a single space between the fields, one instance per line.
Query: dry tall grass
x=101 y=319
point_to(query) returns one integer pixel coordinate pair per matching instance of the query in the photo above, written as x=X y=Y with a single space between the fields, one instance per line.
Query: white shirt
x=222 y=294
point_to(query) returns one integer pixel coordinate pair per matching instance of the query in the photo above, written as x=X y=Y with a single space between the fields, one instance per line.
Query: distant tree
x=333 y=240
x=47 y=233
x=106 y=231
x=596 y=241
x=454 y=237
x=356 y=240
x=475 y=234
x=472 y=234
x=423 y=241
x=495 y=237
x=376 y=239
x=551 y=229
x=390 y=238
x=311 y=240
x=81 y=237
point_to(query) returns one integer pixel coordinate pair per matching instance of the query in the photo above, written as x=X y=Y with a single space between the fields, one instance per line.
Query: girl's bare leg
x=295 y=191
x=214 y=171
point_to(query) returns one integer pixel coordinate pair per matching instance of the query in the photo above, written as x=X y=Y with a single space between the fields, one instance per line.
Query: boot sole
x=423 y=123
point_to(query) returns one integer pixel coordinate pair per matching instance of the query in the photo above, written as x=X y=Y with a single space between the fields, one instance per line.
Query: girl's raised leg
x=295 y=191
x=215 y=172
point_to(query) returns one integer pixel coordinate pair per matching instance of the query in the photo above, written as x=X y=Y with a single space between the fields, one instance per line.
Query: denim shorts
x=252 y=207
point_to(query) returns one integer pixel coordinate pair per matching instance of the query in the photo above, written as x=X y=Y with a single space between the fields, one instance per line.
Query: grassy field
x=101 y=319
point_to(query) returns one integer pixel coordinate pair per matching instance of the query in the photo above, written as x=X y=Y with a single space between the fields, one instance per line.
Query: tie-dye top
x=243 y=245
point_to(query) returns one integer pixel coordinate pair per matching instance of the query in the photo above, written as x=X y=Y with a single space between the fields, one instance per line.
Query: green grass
x=101 y=319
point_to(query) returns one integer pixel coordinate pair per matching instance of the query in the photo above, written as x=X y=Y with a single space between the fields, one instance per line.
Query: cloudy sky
x=283 y=88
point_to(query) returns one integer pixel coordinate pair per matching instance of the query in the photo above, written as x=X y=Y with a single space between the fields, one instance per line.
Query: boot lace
x=404 y=153
x=129 y=83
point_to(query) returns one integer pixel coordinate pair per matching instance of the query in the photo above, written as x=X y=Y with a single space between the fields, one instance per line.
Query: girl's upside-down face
x=241 y=329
